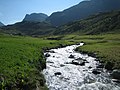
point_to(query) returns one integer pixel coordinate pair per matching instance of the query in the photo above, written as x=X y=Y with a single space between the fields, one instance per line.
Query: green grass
x=21 y=58
x=21 y=61
x=107 y=47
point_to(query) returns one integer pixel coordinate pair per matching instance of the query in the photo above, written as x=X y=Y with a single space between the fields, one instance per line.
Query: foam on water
x=74 y=77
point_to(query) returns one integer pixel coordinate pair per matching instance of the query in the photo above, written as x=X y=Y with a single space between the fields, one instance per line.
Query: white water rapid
x=70 y=70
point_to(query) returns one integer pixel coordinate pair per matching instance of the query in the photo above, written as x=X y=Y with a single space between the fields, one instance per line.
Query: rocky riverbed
x=70 y=70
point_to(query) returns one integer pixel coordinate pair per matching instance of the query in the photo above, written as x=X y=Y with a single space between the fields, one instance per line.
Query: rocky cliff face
x=35 y=17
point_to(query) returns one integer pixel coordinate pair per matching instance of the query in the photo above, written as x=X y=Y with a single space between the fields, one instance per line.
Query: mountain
x=101 y=23
x=108 y=22
x=35 y=17
x=83 y=10
x=1 y=24
x=29 y=28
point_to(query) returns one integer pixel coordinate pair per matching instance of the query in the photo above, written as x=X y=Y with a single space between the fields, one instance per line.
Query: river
x=70 y=70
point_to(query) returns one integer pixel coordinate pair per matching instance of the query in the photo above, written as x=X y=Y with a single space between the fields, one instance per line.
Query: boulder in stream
x=97 y=59
x=100 y=66
x=47 y=55
x=82 y=63
x=79 y=58
x=49 y=62
x=51 y=51
x=96 y=71
x=71 y=56
x=75 y=62
x=57 y=73
x=90 y=67
x=115 y=74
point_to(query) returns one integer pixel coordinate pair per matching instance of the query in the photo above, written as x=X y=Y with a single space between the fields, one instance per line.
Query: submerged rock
x=97 y=59
x=82 y=63
x=100 y=66
x=90 y=67
x=116 y=80
x=49 y=62
x=79 y=58
x=47 y=55
x=96 y=71
x=75 y=62
x=51 y=51
x=71 y=56
x=57 y=73
x=78 y=44
x=92 y=54
x=62 y=65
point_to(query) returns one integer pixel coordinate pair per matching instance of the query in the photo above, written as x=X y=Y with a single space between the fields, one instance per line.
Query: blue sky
x=12 y=11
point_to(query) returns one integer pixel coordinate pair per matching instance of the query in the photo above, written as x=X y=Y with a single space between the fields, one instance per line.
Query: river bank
x=69 y=70
x=22 y=60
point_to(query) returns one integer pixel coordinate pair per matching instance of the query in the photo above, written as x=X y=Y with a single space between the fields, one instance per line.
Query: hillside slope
x=96 y=24
x=29 y=28
x=83 y=10
x=108 y=22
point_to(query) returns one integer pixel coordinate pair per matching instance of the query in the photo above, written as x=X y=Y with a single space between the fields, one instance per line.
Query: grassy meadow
x=21 y=61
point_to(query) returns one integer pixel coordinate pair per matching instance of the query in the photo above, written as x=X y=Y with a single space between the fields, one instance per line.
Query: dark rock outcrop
x=115 y=74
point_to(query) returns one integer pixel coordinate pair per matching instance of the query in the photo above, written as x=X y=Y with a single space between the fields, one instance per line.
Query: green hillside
x=95 y=24
x=29 y=28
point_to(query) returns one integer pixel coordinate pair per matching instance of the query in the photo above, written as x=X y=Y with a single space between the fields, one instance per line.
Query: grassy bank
x=106 y=47
x=21 y=60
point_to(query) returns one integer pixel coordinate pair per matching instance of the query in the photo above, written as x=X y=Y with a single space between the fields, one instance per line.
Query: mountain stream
x=69 y=70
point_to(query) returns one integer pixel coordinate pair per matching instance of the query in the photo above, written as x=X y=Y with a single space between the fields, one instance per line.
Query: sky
x=12 y=11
